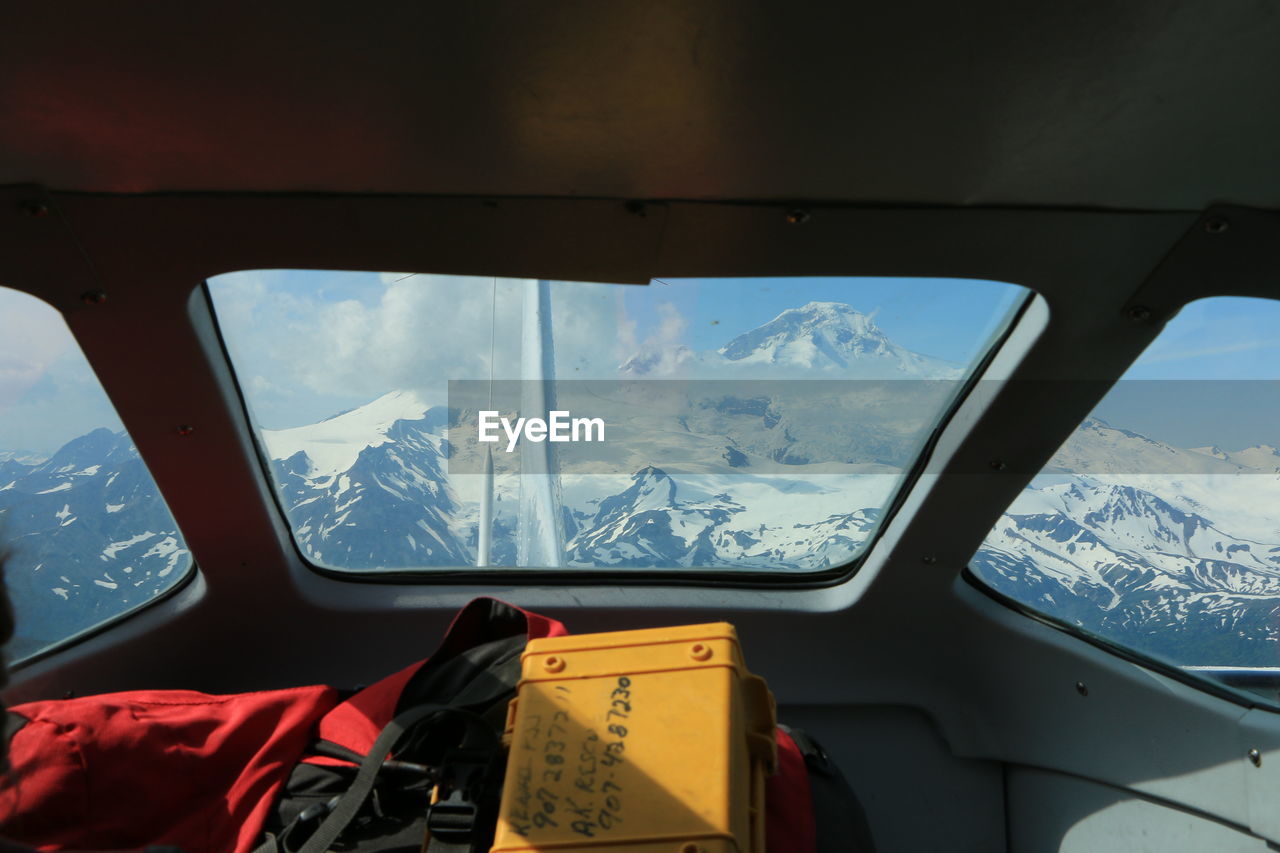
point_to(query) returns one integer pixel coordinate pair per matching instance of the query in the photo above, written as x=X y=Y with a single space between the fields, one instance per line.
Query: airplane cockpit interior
x=790 y=427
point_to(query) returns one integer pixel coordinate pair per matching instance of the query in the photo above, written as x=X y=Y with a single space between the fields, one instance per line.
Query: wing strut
x=540 y=526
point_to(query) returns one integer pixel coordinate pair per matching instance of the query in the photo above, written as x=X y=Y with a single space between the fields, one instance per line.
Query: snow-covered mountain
x=816 y=340
x=89 y=538
x=1169 y=551
x=829 y=334
x=1097 y=447
x=648 y=525
x=371 y=489
x=333 y=445
x=1182 y=561
x=368 y=490
x=1260 y=456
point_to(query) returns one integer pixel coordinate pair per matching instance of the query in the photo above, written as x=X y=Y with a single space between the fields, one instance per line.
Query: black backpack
x=447 y=732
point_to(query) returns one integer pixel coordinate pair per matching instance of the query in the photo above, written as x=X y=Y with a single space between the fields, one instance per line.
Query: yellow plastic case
x=654 y=741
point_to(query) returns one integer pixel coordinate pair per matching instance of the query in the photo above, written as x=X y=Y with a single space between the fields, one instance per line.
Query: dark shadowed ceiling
x=1135 y=104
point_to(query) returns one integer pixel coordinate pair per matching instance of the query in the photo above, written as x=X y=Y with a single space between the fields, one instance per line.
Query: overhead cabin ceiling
x=1128 y=104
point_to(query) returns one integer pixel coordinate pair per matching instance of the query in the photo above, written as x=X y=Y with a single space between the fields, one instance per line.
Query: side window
x=87 y=535
x=1156 y=526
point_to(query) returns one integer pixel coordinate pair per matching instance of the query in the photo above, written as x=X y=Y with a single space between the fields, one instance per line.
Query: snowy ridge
x=647 y=525
x=1184 y=565
x=391 y=507
x=333 y=445
x=91 y=537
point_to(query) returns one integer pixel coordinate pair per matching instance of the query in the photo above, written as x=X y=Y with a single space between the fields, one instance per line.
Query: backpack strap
x=349 y=803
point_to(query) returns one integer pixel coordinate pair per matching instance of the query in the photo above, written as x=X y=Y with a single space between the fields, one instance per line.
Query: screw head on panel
x=1138 y=313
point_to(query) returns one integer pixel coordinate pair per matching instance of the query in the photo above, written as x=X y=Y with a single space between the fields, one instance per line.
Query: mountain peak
x=650 y=488
x=817 y=337
x=832 y=337
x=1264 y=448
x=649 y=473
x=333 y=444
x=84 y=450
x=816 y=331
x=830 y=309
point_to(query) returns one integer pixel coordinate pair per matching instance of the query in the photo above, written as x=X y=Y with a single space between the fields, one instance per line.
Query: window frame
x=184 y=579
x=1238 y=695
x=1222 y=690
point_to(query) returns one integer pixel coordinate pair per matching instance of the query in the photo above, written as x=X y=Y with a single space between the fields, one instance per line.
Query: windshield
x=423 y=422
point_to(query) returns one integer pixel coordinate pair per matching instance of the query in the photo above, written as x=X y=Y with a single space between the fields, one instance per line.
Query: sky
x=950 y=319
x=309 y=344
x=1212 y=377
x=48 y=394
x=1223 y=337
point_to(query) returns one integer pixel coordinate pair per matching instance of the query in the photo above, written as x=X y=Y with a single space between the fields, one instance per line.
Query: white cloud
x=665 y=345
x=1158 y=356
x=33 y=336
x=394 y=330
x=48 y=394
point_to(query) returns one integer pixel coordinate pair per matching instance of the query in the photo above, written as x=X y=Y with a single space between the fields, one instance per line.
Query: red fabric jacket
x=200 y=772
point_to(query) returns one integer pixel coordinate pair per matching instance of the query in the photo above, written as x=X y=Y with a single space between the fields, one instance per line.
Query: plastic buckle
x=453 y=819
